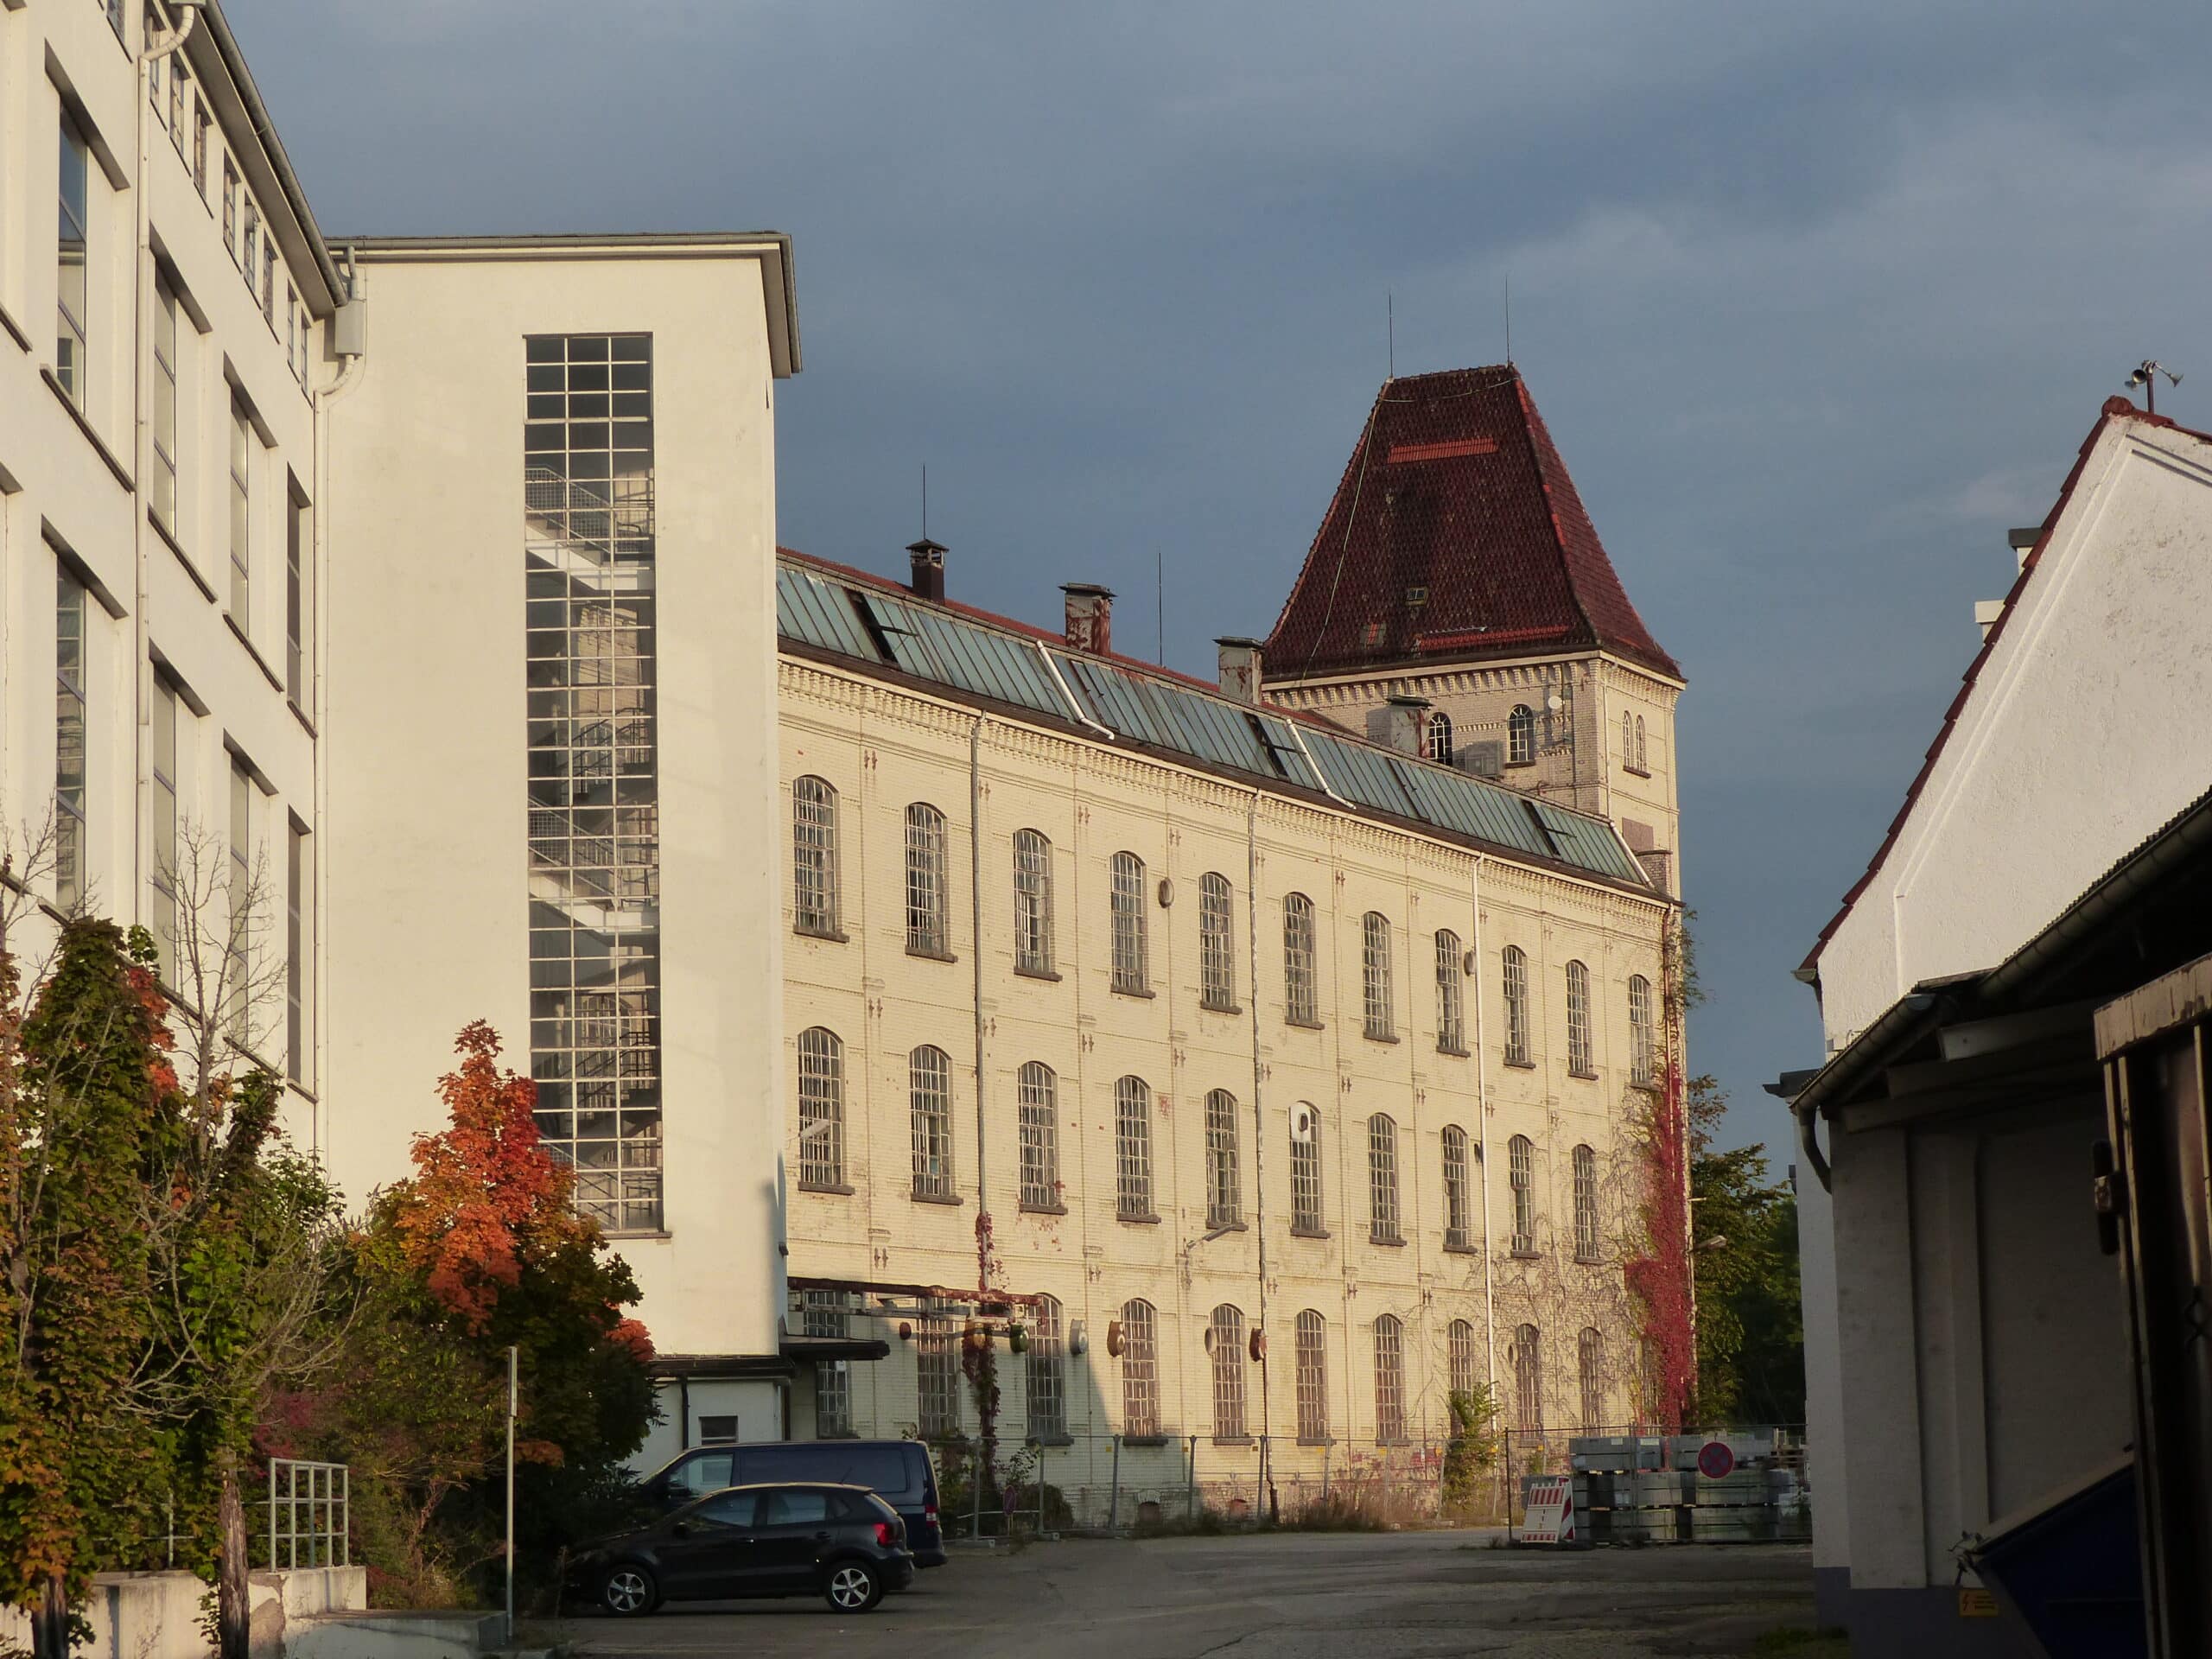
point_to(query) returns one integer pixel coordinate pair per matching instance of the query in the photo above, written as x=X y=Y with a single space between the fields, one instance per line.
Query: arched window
x=1132 y=1149
x=1305 y=1169
x=1225 y=1337
x=1521 y=735
x=1585 y=1205
x=1628 y=739
x=1451 y=1003
x=1382 y=1179
x=1375 y=973
x=821 y=1108
x=814 y=856
x=1301 y=1002
x=1312 y=1367
x=1642 y=761
x=1224 y=1194
x=1390 y=1380
x=936 y=1373
x=1038 y=1091
x=1042 y=1365
x=1127 y=899
x=1589 y=1368
x=1527 y=1379
x=1140 y=1370
x=1460 y=1356
x=1217 y=951
x=1436 y=741
x=1520 y=1176
x=1455 y=1188
x=1032 y=903
x=1642 y=1066
x=1581 y=1059
x=926 y=901
x=929 y=1092
x=1516 y=1006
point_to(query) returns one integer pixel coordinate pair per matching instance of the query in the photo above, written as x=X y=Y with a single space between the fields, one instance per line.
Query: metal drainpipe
x=1259 y=1120
x=975 y=943
x=1482 y=1120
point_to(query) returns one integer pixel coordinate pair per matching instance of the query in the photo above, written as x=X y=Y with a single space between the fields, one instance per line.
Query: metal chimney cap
x=1086 y=590
x=926 y=549
x=1238 y=642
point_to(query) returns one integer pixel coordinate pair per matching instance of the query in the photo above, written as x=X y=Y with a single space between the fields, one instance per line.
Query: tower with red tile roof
x=1458 y=572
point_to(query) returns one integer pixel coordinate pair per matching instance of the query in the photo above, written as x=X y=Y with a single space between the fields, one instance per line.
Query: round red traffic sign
x=1716 y=1461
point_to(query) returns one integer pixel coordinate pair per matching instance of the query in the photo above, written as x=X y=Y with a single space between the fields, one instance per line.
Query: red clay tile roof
x=1455 y=486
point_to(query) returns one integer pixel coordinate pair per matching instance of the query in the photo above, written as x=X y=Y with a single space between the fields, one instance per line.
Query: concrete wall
x=159 y=1615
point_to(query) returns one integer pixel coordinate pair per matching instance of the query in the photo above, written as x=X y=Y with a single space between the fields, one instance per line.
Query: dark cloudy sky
x=1818 y=300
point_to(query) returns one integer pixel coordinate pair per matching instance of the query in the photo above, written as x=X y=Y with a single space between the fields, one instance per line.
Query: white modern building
x=1966 y=1343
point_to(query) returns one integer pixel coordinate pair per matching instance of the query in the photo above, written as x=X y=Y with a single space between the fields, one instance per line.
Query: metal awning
x=817 y=1348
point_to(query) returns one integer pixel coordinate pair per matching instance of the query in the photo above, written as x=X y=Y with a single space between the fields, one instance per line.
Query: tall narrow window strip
x=230 y=207
x=1589 y=1368
x=180 y=102
x=242 y=443
x=821 y=1108
x=823 y=1313
x=1585 y=1205
x=1305 y=1169
x=1132 y=1149
x=163 y=851
x=201 y=123
x=1375 y=975
x=589 y=540
x=1311 y=1339
x=163 y=483
x=299 y=550
x=1128 y=910
x=1382 y=1179
x=1033 y=902
x=928 y=1086
x=1516 y=1006
x=299 y=872
x=1038 y=1090
x=1527 y=1360
x=1226 y=1332
x=1580 y=1052
x=1390 y=1380
x=1460 y=1356
x=1301 y=1000
x=936 y=1374
x=70 y=839
x=1628 y=739
x=1043 y=1366
x=1451 y=998
x=237 y=965
x=1139 y=1371
x=1642 y=1064
x=1521 y=1177
x=1521 y=735
x=1643 y=759
x=73 y=261
x=1455 y=1183
x=1217 y=949
x=814 y=856
x=1224 y=1195
x=926 y=899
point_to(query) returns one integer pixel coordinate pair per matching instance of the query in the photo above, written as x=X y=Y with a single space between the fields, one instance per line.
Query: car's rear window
x=880 y=1468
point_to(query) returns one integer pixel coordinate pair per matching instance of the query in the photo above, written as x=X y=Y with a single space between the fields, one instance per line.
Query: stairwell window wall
x=71 y=841
x=161 y=485
x=72 y=245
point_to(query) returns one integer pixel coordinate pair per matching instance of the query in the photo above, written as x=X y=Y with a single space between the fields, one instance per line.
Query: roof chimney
x=929 y=569
x=2024 y=542
x=1397 y=723
x=1090 y=617
x=1239 y=669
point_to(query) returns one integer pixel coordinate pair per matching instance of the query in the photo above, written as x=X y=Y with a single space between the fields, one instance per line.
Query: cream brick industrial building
x=1266 y=1044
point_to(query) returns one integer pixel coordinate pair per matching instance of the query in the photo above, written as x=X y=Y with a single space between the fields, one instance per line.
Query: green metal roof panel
x=820 y=614
x=1361 y=775
x=1588 y=844
x=1283 y=750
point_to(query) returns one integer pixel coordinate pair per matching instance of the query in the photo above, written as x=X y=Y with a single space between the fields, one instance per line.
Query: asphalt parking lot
x=1411 y=1595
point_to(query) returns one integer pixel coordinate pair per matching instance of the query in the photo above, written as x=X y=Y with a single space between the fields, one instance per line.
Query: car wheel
x=853 y=1587
x=627 y=1590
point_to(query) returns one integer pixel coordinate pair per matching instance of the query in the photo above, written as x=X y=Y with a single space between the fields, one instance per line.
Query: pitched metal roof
x=1456 y=534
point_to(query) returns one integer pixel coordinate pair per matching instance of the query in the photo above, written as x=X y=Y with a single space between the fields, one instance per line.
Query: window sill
x=931 y=1197
x=931 y=956
x=169 y=541
x=1131 y=990
x=1317 y=1439
x=267 y=672
x=1456 y=1053
x=8 y=323
x=1592 y=1259
x=1520 y=1255
x=1304 y=1025
x=1138 y=1221
x=637 y=1233
x=1636 y=772
x=1041 y=1209
x=827 y=935
x=99 y=444
x=1214 y=1005
x=1036 y=973
x=1458 y=1247
x=1393 y=1439
x=1375 y=1036
x=1394 y=1241
x=1582 y=1076
x=1309 y=1232
x=1146 y=1440
x=1233 y=1440
x=1051 y=1440
x=835 y=1189
x=1214 y=1226
x=300 y=715
x=1520 y=1065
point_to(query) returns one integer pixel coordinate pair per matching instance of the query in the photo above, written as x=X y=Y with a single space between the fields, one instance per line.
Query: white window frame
x=1033 y=904
x=1140 y=1369
x=1217 y=943
x=1305 y=1188
x=1224 y=1193
x=1127 y=907
x=1390 y=1380
x=1581 y=1047
x=928 y=909
x=1383 y=1179
x=1515 y=979
x=1300 y=958
x=1451 y=995
x=1226 y=1329
x=1133 y=1199
x=1310 y=1357
x=1457 y=1182
x=814 y=857
x=1587 y=1244
x=1378 y=999
x=928 y=1099
x=1037 y=1089
x=821 y=1110
x=1521 y=1179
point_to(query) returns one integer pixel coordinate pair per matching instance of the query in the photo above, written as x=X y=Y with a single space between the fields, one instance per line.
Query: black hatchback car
x=842 y=1543
x=897 y=1472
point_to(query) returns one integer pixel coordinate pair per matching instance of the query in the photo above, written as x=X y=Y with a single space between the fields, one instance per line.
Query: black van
x=900 y=1473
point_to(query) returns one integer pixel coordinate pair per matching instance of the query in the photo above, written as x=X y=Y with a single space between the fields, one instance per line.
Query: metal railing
x=309 y=1513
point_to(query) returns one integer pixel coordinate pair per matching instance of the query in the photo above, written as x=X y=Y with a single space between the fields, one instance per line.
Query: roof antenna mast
x=1390 y=334
x=1509 y=319
x=925 y=500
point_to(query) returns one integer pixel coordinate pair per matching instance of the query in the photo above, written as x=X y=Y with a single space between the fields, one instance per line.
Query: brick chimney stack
x=1397 y=724
x=1239 y=669
x=1090 y=617
x=929 y=569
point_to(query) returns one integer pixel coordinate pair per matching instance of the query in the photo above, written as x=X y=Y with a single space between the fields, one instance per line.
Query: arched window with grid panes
x=1140 y=1370
x=1306 y=1170
x=1521 y=1178
x=936 y=1372
x=1390 y=1380
x=1132 y=1149
x=1585 y=1205
x=1590 y=1370
x=1125 y=899
x=1037 y=1090
x=1044 y=1367
x=1225 y=1338
x=1526 y=1358
x=1460 y=1356
x=1383 y=1179
x=1628 y=739
x=929 y=1089
x=1301 y=998
x=821 y=1109
x=1516 y=1006
x=1643 y=759
x=928 y=929
x=1217 y=946
x=1457 y=1186
x=1451 y=999
x=1436 y=739
x=814 y=856
x=1581 y=1050
x=1642 y=1049
x=1032 y=903
x=1521 y=735
x=1374 y=975
x=1224 y=1189
x=1310 y=1343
